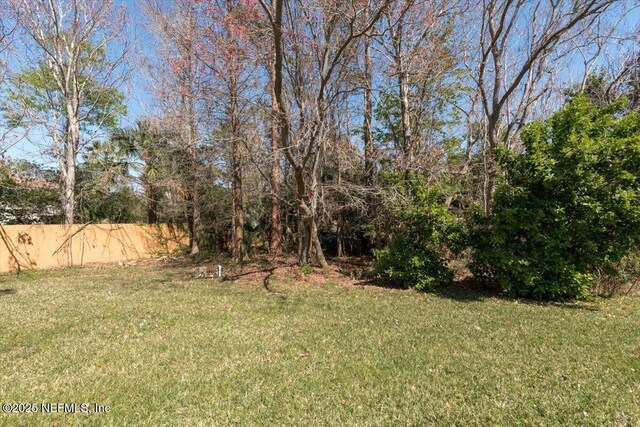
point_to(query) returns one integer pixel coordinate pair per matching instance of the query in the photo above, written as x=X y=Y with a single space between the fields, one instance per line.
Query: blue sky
x=136 y=95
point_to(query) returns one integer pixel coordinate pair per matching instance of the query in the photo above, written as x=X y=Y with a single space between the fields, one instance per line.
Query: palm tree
x=142 y=147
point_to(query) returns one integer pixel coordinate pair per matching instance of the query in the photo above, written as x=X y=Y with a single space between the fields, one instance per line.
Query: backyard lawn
x=159 y=347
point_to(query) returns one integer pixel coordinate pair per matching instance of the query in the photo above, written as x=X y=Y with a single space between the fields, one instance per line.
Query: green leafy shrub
x=423 y=229
x=570 y=204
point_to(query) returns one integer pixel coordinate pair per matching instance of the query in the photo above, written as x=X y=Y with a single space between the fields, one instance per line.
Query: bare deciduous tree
x=279 y=127
x=321 y=37
x=515 y=43
x=179 y=85
x=228 y=55
x=420 y=58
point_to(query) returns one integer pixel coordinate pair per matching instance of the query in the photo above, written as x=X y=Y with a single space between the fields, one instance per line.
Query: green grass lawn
x=161 y=348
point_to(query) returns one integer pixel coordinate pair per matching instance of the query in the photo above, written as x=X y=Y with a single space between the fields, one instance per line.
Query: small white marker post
x=219 y=270
x=202 y=272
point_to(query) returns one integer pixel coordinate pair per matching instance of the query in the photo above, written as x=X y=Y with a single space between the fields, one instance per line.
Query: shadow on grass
x=470 y=290
x=7 y=291
x=466 y=290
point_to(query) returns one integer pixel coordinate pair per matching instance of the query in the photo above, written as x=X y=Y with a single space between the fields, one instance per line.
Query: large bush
x=570 y=204
x=422 y=231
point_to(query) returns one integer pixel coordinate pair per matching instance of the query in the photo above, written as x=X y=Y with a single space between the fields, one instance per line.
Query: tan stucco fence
x=24 y=247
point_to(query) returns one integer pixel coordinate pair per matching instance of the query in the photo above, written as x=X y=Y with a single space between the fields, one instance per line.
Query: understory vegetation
x=423 y=231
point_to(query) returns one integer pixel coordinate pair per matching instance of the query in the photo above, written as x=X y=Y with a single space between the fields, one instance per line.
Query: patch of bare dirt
x=263 y=270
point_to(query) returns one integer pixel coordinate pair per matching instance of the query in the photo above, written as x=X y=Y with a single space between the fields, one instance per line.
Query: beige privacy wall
x=49 y=246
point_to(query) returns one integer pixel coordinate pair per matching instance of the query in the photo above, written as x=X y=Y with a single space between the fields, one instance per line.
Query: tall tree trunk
x=196 y=236
x=237 y=214
x=340 y=222
x=150 y=190
x=368 y=115
x=237 y=218
x=68 y=188
x=279 y=132
x=188 y=98
x=369 y=165
x=405 y=109
x=303 y=215
x=491 y=166
x=315 y=240
x=339 y=237
x=275 y=221
x=71 y=144
x=152 y=203
x=190 y=222
x=308 y=239
x=288 y=216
